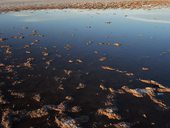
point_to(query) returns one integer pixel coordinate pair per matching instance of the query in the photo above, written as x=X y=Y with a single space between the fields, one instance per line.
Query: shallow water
x=82 y=41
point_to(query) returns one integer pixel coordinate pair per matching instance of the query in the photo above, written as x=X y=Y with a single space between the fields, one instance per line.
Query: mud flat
x=16 y=5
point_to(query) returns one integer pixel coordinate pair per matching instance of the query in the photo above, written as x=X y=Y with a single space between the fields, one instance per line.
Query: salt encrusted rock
x=17 y=94
x=68 y=72
x=2 y=99
x=38 y=113
x=148 y=91
x=152 y=82
x=132 y=91
x=6 y=119
x=37 y=97
x=122 y=125
x=66 y=122
x=69 y=98
x=80 y=86
x=103 y=59
x=28 y=63
x=62 y=107
x=3 y=39
x=163 y=90
x=108 y=112
x=117 y=44
x=75 y=109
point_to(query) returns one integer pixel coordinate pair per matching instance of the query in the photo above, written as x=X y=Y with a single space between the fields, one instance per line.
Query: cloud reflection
x=150 y=20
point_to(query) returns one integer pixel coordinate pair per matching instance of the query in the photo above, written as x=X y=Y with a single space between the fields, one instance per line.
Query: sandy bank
x=16 y=5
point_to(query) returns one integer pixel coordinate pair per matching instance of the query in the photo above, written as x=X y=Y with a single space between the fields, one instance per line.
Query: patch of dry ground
x=15 y=5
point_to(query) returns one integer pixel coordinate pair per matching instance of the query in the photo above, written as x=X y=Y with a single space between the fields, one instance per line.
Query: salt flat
x=15 y=5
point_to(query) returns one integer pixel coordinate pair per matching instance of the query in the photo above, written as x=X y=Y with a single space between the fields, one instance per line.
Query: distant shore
x=17 y=5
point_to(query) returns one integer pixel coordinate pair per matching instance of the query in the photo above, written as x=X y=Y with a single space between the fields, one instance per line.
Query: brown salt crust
x=126 y=4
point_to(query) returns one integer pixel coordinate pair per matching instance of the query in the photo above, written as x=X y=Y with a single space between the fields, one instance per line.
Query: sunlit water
x=88 y=35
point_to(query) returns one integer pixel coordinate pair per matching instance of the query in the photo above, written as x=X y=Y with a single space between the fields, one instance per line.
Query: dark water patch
x=89 y=68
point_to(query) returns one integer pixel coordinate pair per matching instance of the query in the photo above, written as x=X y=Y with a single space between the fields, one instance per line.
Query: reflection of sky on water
x=150 y=20
x=155 y=15
x=143 y=34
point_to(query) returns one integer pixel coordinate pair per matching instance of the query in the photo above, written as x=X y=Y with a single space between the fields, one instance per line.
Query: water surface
x=78 y=44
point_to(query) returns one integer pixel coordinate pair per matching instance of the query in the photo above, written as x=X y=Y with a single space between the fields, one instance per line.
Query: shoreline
x=139 y=4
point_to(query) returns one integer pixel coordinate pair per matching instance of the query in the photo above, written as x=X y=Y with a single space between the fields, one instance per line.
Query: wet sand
x=16 y=5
